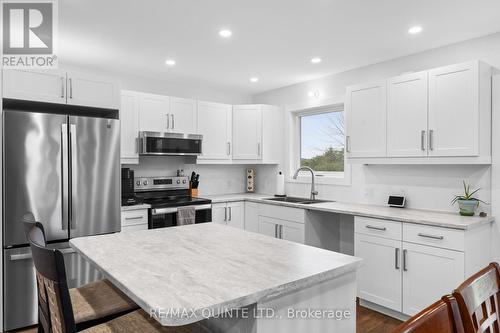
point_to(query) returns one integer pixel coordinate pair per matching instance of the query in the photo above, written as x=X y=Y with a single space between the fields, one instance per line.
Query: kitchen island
x=228 y=279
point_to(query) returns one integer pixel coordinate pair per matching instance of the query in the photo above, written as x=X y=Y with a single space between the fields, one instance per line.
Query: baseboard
x=384 y=310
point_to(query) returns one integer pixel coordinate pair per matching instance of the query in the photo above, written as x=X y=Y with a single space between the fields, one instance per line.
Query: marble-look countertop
x=135 y=207
x=426 y=217
x=207 y=267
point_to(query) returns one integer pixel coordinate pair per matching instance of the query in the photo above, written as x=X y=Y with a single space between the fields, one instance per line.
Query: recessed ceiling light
x=170 y=62
x=415 y=30
x=254 y=79
x=225 y=33
x=316 y=60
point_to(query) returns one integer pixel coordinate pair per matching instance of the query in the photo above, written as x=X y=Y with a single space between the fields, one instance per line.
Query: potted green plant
x=467 y=203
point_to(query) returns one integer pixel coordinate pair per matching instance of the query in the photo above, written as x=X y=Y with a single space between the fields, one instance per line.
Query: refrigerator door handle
x=64 y=176
x=73 y=177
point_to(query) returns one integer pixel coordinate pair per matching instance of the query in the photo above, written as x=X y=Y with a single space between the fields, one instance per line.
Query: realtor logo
x=29 y=33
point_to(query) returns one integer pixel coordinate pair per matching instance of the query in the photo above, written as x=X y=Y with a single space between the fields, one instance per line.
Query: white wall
x=427 y=187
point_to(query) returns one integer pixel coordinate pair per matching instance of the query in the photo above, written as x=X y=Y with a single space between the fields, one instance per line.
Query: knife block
x=193 y=192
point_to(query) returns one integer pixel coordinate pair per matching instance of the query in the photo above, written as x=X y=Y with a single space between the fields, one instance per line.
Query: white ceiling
x=272 y=39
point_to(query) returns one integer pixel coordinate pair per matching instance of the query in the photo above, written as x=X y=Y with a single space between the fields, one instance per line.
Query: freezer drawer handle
x=22 y=256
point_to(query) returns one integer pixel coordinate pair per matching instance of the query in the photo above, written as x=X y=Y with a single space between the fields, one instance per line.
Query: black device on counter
x=128 y=195
x=396 y=201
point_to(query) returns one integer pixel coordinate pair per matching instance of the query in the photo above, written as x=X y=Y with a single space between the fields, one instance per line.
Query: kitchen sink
x=303 y=201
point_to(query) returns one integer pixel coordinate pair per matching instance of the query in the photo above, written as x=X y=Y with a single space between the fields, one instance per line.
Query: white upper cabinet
x=366 y=120
x=182 y=115
x=129 y=122
x=407 y=115
x=440 y=116
x=247 y=132
x=154 y=113
x=58 y=86
x=214 y=123
x=90 y=90
x=41 y=86
x=454 y=110
x=273 y=136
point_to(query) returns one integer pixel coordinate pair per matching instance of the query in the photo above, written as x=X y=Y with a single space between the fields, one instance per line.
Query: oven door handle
x=159 y=211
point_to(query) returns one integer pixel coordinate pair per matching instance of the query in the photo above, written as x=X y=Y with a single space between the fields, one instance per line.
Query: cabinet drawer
x=440 y=237
x=135 y=227
x=377 y=227
x=282 y=213
x=134 y=217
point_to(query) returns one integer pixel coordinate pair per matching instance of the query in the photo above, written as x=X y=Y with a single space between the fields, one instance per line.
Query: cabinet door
x=90 y=90
x=407 y=115
x=379 y=278
x=219 y=213
x=214 y=123
x=154 y=113
x=236 y=214
x=268 y=226
x=41 y=86
x=129 y=122
x=292 y=231
x=247 y=132
x=429 y=273
x=182 y=115
x=454 y=110
x=366 y=120
x=252 y=216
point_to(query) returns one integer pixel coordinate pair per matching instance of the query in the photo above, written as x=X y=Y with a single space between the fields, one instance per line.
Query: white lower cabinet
x=133 y=220
x=282 y=229
x=379 y=279
x=428 y=274
x=252 y=216
x=231 y=214
x=407 y=266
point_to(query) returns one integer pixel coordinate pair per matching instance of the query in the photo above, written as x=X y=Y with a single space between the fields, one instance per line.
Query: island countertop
x=204 y=268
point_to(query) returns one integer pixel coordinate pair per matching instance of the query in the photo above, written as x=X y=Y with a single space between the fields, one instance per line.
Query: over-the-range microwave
x=160 y=143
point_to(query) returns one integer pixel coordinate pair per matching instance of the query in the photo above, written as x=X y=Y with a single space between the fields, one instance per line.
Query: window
x=322 y=141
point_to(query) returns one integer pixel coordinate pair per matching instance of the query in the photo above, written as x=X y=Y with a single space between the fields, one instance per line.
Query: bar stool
x=93 y=303
x=442 y=316
x=58 y=315
x=478 y=299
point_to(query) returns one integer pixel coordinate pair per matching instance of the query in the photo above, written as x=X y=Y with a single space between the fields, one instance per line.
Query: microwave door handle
x=64 y=176
x=73 y=178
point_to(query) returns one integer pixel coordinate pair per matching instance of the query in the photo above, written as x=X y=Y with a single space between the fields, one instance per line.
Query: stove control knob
x=184 y=181
x=138 y=183
x=178 y=181
x=145 y=183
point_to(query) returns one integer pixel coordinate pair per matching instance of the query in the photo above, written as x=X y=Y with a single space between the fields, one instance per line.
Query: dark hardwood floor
x=367 y=321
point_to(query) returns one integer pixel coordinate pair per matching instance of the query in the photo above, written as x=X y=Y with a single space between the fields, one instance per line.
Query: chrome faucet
x=314 y=193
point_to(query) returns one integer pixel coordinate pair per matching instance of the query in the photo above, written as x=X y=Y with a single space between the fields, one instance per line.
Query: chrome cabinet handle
x=64 y=176
x=347 y=144
x=228 y=148
x=168 y=120
x=404 y=260
x=275 y=231
x=62 y=87
x=74 y=181
x=281 y=231
x=376 y=228
x=430 y=236
x=422 y=140
x=70 y=88
x=134 y=218
x=173 y=123
x=258 y=149
x=431 y=139
x=230 y=213
x=396 y=258
x=225 y=213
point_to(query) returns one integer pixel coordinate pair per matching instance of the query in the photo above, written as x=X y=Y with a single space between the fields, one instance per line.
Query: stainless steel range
x=165 y=195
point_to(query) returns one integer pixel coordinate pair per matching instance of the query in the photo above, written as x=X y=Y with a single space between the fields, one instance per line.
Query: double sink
x=302 y=201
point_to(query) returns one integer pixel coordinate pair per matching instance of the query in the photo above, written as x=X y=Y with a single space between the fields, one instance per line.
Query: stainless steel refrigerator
x=62 y=163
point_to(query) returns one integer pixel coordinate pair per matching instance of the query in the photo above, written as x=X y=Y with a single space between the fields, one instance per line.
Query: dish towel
x=186 y=215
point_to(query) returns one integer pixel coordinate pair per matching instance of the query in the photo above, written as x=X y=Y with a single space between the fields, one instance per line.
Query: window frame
x=322 y=177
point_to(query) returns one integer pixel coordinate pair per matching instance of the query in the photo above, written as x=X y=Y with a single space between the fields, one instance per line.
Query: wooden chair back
x=478 y=300
x=53 y=293
x=442 y=316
